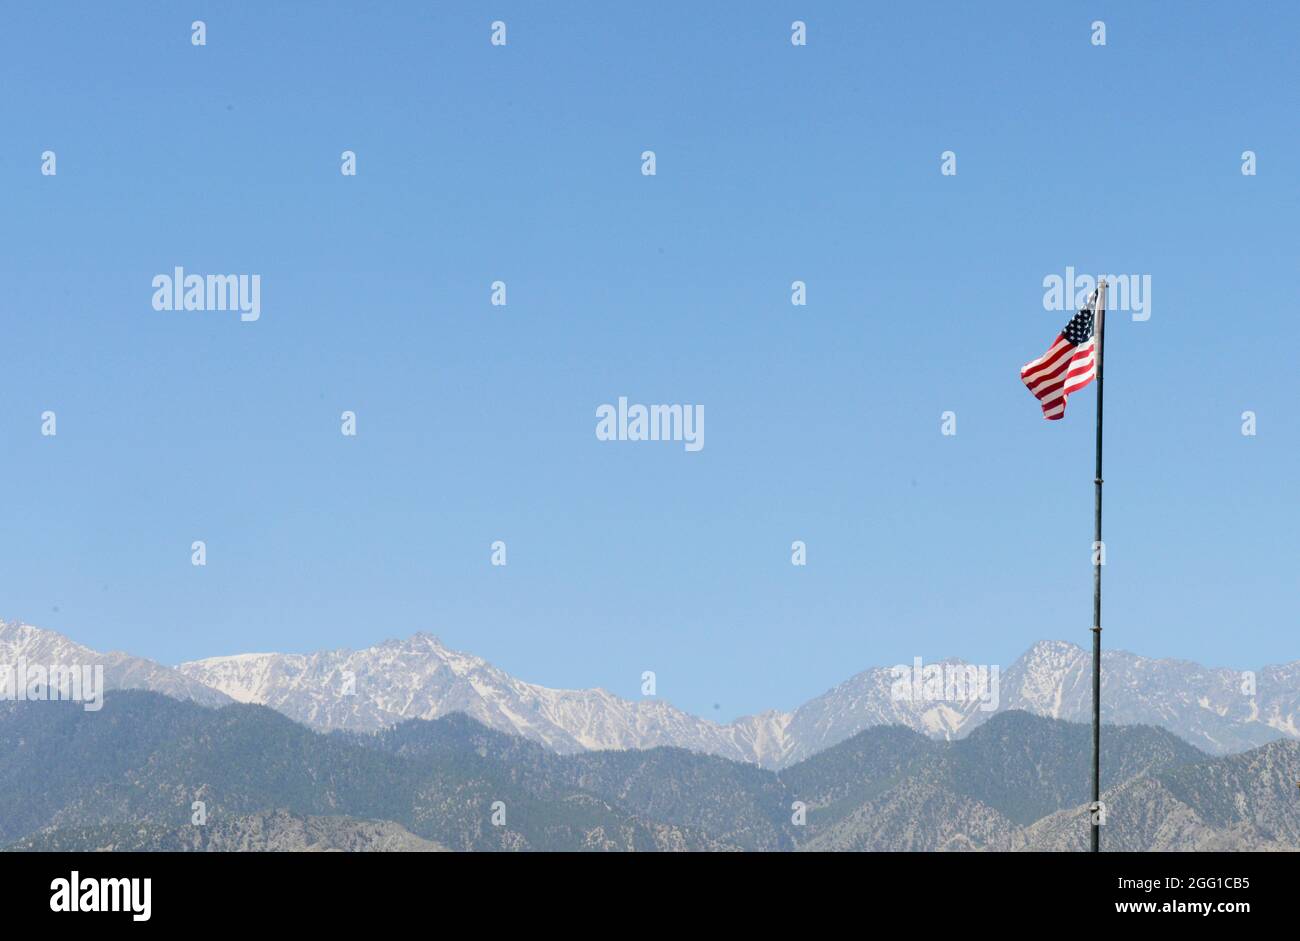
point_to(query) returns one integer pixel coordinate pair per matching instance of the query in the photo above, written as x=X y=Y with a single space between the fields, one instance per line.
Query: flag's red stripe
x=1046 y=363
x=1057 y=345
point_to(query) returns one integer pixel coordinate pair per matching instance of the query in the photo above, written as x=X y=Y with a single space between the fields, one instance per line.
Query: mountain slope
x=128 y=776
x=23 y=642
x=1206 y=706
x=894 y=789
x=144 y=759
x=731 y=803
x=268 y=832
x=1239 y=802
x=421 y=678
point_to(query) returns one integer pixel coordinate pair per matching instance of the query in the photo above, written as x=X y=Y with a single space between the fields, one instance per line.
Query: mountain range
x=130 y=778
x=1216 y=709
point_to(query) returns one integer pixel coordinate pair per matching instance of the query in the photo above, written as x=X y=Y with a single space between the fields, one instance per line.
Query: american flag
x=1067 y=366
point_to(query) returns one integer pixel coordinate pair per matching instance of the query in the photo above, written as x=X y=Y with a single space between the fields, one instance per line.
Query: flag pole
x=1100 y=334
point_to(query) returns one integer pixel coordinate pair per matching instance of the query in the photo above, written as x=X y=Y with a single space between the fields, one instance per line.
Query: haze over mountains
x=419 y=677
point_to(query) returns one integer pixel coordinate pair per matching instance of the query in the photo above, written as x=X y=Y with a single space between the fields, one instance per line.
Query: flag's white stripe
x=1049 y=373
x=1047 y=362
x=1088 y=365
x=1046 y=356
x=1076 y=384
x=1054 y=376
x=1081 y=349
x=1062 y=374
x=1045 y=386
x=1064 y=371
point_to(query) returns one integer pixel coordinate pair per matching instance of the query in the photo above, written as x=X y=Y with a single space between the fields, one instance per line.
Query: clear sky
x=476 y=423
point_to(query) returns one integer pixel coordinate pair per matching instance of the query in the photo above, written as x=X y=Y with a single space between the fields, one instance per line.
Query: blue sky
x=476 y=423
